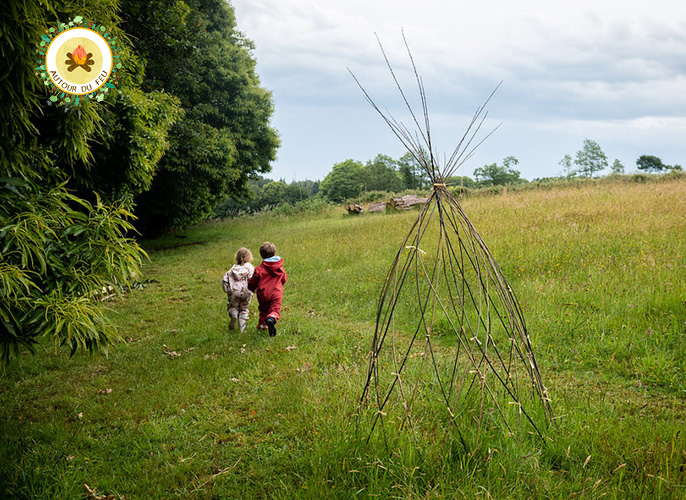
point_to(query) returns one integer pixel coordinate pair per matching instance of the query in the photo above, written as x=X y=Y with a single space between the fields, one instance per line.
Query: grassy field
x=185 y=409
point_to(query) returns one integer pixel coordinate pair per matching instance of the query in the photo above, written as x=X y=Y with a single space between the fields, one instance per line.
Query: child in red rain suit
x=267 y=282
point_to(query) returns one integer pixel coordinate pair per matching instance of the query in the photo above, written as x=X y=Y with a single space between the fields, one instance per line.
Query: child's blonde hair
x=242 y=256
x=267 y=250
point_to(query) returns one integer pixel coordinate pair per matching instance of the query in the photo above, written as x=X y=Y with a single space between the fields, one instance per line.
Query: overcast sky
x=607 y=70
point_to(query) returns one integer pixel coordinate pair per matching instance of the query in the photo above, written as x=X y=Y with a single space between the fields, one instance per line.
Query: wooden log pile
x=354 y=209
x=377 y=207
x=404 y=203
x=399 y=203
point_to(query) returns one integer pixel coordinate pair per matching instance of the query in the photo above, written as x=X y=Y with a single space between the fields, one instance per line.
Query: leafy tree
x=412 y=173
x=273 y=194
x=346 y=180
x=650 y=163
x=380 y=175
x=301 y=190
x=497 y=175
x=247 y=201
x=409 y=180
x=590 y=159
x=58 y=250
x=617 y=167
x=567 y=165
x=263 y=193
x=134 y=136
x=193 y=51
x=457 y=180
x=124 y=137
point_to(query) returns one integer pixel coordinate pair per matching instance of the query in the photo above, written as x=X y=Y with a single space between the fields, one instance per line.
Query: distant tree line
x=347 y=180
x=591 y=159
x=353 y=179
x=266 y=194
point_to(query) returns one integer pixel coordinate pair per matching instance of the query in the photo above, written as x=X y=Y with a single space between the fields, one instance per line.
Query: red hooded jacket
x=267 y=282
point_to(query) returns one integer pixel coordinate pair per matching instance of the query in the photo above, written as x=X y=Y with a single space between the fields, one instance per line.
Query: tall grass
x=599 y=272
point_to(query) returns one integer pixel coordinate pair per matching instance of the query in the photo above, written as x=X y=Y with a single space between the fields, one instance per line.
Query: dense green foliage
x=186 y=123
x=381 y=174
x=60 y=257
x=650 y=163
x=187 y=410
x=461 y=181
x=499 y=175
x=265 y=194
x=133 y=137
x=346 y=180
x=412 y=173
x=59 y=250
x=193 y=51
x=350 y=178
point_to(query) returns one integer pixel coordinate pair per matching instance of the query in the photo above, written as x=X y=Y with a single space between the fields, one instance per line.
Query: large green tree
x=301 y=190
x=346 y=180
x=650 y=163
x=380 y=174
x=590 y=159
x=194 y=51
x=413 y=174
x=273 y=194
x=499 y=175
x=59 y=251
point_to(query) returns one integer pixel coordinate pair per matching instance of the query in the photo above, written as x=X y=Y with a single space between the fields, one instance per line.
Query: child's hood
x=243 y=271
x=273 y=266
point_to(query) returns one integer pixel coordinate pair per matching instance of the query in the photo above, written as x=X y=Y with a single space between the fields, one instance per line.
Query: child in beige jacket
x=235 y=284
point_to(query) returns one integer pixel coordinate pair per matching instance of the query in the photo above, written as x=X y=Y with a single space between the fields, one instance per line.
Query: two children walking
x=265 y=280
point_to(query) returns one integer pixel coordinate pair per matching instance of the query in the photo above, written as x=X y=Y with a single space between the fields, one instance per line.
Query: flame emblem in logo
x=79 y=59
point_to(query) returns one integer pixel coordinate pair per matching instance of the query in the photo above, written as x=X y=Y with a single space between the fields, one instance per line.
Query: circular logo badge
x=78 y=61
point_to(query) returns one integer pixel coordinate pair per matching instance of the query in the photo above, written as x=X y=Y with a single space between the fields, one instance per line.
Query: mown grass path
x=185 y=409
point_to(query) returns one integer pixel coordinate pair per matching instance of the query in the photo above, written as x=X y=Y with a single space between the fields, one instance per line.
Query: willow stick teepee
x=451 y=354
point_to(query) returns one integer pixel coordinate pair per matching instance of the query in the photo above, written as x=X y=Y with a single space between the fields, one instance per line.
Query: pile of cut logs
x=354 y=208
x=404 y=203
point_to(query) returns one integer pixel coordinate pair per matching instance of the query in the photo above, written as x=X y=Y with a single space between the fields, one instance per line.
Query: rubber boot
x=271 y=324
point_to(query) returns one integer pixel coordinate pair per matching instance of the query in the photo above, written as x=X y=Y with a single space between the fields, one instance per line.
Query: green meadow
x=183 y=408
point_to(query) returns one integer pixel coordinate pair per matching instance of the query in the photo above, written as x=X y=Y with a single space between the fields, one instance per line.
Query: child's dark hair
x=267 y=250
x=243 y=255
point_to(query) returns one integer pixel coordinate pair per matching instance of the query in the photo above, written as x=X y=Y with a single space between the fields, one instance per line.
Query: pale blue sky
x=610 y=71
